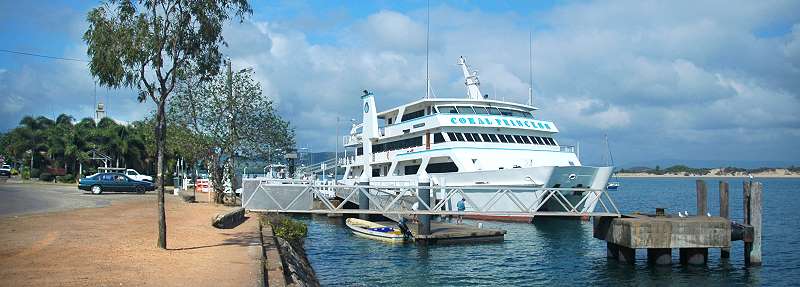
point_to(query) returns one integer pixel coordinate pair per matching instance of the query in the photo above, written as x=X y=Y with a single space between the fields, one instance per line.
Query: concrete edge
x=272 y=263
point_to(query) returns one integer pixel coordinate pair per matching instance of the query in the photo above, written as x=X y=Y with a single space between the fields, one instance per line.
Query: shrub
x=68 y=178
x=288 y=229
x=14 y=171
x=46 y=176
x=26 y=174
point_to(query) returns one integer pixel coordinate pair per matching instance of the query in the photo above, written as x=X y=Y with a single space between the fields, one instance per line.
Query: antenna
x=427 y=54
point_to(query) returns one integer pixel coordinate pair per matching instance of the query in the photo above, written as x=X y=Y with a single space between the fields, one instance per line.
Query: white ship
x=469 y=142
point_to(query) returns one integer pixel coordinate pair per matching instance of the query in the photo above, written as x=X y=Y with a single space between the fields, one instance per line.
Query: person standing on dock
x=461 y=208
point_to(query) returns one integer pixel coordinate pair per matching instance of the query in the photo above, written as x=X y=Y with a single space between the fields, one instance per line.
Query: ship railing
x=396 y=201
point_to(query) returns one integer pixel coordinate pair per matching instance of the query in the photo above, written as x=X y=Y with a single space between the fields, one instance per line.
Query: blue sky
x=682 y=80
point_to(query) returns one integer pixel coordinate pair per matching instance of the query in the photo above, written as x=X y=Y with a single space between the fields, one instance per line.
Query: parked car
x=132 y=173
x=111 y=181
x=5 y=170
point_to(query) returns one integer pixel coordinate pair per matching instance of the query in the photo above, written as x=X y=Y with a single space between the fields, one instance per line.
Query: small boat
x=613 y=185
x=375 y=231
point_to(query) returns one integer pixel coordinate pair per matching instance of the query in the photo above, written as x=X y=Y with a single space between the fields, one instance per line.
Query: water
x=563 y=252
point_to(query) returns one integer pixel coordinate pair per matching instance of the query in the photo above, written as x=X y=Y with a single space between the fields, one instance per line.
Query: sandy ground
x=116 y=246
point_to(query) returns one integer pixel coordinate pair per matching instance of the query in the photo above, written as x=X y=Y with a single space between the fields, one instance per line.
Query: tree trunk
x=161 y=135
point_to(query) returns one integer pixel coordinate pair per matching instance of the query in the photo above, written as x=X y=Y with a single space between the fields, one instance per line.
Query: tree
x=144 y=44
x=233 y=117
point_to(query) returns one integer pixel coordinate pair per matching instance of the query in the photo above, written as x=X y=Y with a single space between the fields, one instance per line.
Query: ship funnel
x=370 y=120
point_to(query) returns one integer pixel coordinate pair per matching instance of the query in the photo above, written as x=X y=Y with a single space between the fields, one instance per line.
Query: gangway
x=317 y=167
x=262 y=195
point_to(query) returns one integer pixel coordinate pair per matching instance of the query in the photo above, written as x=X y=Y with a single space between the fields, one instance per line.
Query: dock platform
x=692 y=235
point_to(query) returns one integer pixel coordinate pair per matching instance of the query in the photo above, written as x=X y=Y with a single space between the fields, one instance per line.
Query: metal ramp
x=393 y=201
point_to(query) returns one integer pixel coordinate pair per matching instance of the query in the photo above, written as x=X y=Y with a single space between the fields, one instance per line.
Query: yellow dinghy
x=375 y=231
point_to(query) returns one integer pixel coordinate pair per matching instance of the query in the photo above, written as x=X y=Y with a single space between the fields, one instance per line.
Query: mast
x=530 y=68
x=427 y=54
x=470 y=80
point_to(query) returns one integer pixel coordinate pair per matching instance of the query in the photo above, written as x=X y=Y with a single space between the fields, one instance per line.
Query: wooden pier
x=692 y=235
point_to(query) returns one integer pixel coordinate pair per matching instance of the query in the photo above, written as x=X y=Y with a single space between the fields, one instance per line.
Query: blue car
x=110 y=181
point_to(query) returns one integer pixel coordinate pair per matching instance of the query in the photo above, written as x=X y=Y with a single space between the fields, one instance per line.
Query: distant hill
x=709 y=163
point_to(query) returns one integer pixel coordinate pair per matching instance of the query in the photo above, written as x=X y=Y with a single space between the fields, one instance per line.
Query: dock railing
x=298 y=197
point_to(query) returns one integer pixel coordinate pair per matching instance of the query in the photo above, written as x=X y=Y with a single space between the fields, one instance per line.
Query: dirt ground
x=116 y=246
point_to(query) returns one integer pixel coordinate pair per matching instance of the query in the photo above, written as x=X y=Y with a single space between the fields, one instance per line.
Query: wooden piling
x=752 y=250
x=702 y=198
x=724 y=212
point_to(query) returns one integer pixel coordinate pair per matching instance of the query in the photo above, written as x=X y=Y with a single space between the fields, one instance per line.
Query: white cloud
x=662 y=78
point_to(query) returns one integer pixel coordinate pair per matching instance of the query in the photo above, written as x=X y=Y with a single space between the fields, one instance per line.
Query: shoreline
x=703 y=176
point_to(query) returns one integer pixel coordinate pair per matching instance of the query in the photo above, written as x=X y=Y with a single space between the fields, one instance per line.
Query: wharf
x=692 y=235
x=448 y=233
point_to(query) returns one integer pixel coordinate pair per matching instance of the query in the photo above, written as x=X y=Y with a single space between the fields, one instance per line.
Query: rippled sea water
x=559 y=252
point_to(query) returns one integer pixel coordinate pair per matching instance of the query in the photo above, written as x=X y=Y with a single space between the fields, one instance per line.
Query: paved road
x=18 y=198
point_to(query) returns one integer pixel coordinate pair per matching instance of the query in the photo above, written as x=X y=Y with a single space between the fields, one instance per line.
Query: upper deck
x=456 y=114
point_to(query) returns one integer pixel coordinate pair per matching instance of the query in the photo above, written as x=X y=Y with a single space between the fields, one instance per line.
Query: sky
x=694 y=81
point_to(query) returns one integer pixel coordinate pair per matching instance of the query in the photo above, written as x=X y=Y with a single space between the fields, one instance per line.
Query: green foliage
x=287 y=228
x=25 y=174
x=14 y=171
x=229 y=114
x=68 y=178
x=61 y=143
x=46 y=176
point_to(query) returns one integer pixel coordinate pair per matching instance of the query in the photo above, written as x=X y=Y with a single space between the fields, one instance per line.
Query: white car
x=132 y=173
x=5 y=170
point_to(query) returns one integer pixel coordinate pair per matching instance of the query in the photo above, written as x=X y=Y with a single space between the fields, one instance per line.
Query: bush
x=288 y=229
x=68 y=178
x=26 y=174
x=46 y=176
x=14 y=171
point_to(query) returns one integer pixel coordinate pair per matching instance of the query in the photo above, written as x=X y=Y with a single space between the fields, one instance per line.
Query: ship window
x=526 y=140
x=546 y=141
x=413 y=115
x=493 y=111
x=506 y=112
x=538 y=140
x=518 y=138
x=438 y=138
x=360 y=151
x=411 y=169
x=527 y=115
x=502 y=138
x=452 y=136
x=441 y=167
x=485 y=138
x=447 y=110
x=459 y=137
x=476 y=137
x=376 y=172
x=493 y=138
x=481 y=110
x=550 y=141
x=554 y=141
x=468 y=136
x=509 y=138
x=390 y=121
x=466 y=110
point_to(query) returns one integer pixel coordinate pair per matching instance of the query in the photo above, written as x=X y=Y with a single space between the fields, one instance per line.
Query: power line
x=42 y=56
